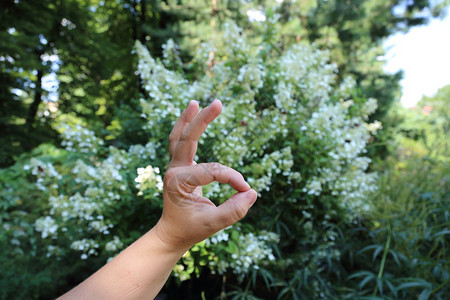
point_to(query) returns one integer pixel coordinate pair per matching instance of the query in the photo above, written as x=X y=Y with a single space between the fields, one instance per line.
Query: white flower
x=88 y=246
x=252 y=74
x=374 y=127
x=114 y=245
x=253 y=251
x=47 y=226
x=147 y=178
x=369 y=107
x=78 y=138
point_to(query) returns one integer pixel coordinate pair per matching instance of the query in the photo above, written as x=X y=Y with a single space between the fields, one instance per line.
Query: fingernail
x=248 y=185
x=215 y=100
x=252 y=196
x=192 y=102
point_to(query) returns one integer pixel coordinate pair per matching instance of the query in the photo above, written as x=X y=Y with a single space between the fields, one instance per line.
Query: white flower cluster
x=273 y=164
x=102 y=183
x=114 y=245
x=252 y=251
x=304 y=74
x=87 y=246
x=147 y=177
x=346 y=87
x=106 y=172
x=221 y=236
x=45 y=172
x=100 y=225
x=230 y=250
x=235 y=44
x=171 y=54
x=83 y=207
x=347 y=137
x=98 y=185
x=369 y=107
x=46 y=226
x=79 y=139
x=252 y=74
x=143 y=153
x=159 y=83
x=200 y=89
x=205 y=53
x=250 y=136
x=374 y=127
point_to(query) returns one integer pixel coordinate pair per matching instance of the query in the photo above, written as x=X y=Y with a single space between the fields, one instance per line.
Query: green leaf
x=65 y=78
x=360 y=273
x=366 y=280
x=412 y=284
x=425 y=294
x=232 y=247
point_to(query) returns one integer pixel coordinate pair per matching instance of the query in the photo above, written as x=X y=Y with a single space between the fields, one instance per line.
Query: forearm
x=138 y=272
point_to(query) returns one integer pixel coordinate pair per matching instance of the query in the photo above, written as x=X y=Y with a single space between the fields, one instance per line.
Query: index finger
x=202 y=174
x=186 y=147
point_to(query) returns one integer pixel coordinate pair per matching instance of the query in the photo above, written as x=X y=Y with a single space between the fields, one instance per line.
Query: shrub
x=298 y=137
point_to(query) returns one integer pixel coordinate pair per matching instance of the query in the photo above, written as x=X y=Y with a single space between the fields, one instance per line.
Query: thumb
x=234 y=208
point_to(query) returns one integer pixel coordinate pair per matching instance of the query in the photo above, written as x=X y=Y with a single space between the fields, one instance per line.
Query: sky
x=423 y=53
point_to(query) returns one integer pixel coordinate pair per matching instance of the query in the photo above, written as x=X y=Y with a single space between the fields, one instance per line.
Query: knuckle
x=235 y=176
x=185 y=138
x=239 y=176
x=170 y=175
x=214 y=165
x=172 y=137
x=205 y=123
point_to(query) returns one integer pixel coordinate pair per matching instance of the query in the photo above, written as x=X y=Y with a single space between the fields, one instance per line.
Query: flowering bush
x=83 y=204
x=289 y=100
x=297 y=135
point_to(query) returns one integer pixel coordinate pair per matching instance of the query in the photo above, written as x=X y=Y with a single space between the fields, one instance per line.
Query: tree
x=87 y=46
x=27 y=42
x=438 y=103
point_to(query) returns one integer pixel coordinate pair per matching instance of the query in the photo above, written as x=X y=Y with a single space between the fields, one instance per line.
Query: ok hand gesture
x=188 y=217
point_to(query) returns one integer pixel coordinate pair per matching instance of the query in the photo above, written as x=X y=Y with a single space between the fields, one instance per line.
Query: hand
x=188 y=217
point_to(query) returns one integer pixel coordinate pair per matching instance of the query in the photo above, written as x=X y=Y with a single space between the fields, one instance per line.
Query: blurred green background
x=90 y=89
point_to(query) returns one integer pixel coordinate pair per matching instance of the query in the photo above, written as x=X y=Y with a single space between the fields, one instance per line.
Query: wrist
x=169 y=242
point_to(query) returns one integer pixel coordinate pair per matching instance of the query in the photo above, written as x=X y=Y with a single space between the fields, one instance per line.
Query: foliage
x=406 y=234
x=404 y=255
x=77 y=52
x=287 y=93
x=297 y=126
x=80 y=52
x=278 y=94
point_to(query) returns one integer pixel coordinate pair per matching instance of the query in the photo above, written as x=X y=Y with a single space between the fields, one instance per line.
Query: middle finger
x=186 y=147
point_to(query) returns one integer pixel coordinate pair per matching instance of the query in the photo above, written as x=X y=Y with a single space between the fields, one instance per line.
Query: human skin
x=140 y=271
